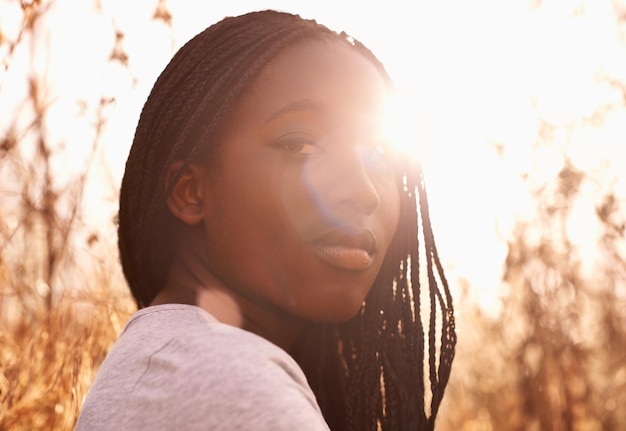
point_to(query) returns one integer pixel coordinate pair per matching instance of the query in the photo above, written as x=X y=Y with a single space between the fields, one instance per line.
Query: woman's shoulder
x=186 y=339
x=207 y=371
x=190 y=330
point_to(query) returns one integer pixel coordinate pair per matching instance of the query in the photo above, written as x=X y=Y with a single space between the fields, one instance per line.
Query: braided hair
x=385 y=369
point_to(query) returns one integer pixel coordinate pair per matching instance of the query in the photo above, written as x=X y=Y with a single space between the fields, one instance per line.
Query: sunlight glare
x=396 y=130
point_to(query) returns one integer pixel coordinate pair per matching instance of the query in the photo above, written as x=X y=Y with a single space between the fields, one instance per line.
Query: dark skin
x=292 y=221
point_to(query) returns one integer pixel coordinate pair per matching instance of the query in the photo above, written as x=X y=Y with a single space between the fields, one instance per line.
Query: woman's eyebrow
x=311 y=105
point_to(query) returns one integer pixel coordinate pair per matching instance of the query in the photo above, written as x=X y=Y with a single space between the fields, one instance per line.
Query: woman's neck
x=193 y=283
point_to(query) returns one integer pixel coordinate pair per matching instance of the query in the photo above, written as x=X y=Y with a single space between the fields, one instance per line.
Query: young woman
x=269 y=234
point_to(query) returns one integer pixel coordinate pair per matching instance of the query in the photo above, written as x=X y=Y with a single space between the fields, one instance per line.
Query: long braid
x=440 y=375
x=367 y=373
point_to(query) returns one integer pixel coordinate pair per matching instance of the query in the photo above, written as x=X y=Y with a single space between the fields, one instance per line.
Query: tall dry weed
x=554 y=359
x=48 y=363
x=62 y=296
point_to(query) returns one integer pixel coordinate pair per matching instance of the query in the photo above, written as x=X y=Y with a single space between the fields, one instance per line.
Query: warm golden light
x=516 y=112
x=396 y=129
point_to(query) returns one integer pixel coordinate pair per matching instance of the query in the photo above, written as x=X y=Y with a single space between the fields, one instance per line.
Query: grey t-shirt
x=175 y=367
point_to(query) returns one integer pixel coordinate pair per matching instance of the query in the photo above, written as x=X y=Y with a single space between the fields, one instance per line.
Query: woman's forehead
x=322 y=75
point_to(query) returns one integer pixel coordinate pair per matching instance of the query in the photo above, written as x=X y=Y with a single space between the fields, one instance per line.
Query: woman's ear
x=186 y=199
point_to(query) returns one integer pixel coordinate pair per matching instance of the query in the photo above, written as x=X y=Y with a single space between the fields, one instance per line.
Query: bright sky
x=471 y=75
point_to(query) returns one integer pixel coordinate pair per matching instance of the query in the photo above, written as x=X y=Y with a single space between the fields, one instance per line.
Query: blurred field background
x=519 y=113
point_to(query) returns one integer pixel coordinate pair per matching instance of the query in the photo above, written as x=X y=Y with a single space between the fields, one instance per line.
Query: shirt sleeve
x=209 y=377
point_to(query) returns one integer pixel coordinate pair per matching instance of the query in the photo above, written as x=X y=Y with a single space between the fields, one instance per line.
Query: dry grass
x=49 y=360
x=61 y=305
x=53 y=334
x=555 y=360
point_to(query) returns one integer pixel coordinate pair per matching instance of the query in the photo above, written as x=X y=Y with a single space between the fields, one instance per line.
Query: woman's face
x=303 y=201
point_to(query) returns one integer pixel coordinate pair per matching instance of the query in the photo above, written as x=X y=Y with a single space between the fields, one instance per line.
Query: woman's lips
x=350 y=251
x=344 y=257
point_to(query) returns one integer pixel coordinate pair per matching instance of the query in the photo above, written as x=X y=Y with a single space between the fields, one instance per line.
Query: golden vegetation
x=49 y=359
x=553 y=358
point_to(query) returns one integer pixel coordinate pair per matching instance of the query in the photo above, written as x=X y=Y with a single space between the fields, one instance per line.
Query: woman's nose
x=346 y=184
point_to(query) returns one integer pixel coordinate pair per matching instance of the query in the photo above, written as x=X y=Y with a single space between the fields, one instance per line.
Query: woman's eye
x=298 y=145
